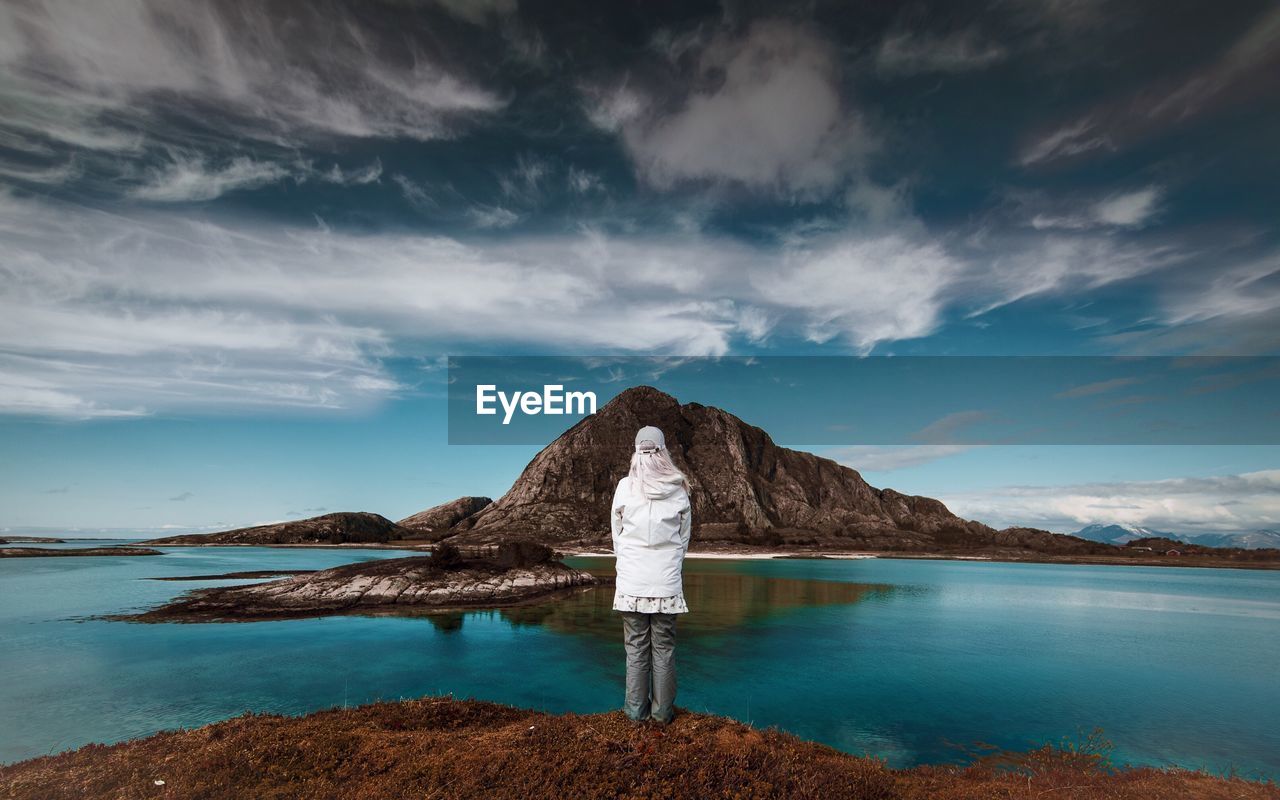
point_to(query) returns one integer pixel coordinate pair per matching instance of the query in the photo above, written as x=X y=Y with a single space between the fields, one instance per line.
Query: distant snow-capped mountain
x=1119 y=534
x=1123 y=534
x=1249 y=540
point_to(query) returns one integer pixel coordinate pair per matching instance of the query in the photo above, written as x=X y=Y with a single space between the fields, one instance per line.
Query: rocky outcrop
x=50 y=552
x=391 y=586
x=340 y=528
x=439 y=519
x=743 y=484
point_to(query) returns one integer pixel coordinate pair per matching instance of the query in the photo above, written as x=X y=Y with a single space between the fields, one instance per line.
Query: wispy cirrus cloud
x=1243 y=72
x=878 y=458
x=906 y=52
x=189 y=179
x=1098 y=387
x=1128 y=209
x=89 y=75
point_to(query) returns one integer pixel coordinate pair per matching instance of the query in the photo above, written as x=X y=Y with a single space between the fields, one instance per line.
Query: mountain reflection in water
x=718 y=601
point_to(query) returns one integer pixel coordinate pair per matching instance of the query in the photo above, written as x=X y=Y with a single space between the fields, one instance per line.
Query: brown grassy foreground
x=444 y=748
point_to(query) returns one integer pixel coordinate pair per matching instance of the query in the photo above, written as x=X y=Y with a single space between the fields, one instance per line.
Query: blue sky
x=239 y=239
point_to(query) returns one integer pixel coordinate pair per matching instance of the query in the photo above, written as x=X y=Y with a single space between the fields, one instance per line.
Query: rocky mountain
x=745 y=489
x=439 y=519
x=338 y=528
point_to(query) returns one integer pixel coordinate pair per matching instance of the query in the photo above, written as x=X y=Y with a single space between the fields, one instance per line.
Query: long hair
x=653 y=473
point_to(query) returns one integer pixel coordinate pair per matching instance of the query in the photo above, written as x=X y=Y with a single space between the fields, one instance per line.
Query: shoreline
x=427 y=747
x=998 y=558
x=764 y=556
x=738 y=552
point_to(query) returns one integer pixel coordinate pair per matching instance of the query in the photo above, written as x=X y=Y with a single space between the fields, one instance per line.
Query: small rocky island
x=49 y=552
x=512 y=574
x=342 y=527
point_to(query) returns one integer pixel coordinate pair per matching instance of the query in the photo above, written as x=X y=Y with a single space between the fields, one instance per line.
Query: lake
x=910 y=660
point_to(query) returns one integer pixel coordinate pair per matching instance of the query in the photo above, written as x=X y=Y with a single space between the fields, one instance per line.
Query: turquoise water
x=898 y=658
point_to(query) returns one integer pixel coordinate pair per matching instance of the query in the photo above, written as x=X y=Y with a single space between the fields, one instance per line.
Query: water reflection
x=718 y=602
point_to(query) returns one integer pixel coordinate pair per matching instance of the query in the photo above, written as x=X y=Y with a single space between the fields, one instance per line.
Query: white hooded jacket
x=650 y=538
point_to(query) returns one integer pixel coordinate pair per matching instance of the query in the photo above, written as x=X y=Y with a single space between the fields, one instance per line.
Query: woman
x=651 y=523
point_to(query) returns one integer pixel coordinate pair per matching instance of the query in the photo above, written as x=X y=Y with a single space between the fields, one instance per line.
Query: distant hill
x=1249 y=540
x=1159 y=544
x=1124 y=534
x=439 y=519
x=338 y=528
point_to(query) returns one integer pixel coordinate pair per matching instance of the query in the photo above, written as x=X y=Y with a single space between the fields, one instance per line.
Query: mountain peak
x=642 y=394
x=641 y=402
x=743 y=484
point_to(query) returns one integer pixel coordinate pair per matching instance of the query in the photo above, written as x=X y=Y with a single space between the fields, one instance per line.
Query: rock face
x=441 y=518
x=339 y=528
x=398 y=585
x=744 y=485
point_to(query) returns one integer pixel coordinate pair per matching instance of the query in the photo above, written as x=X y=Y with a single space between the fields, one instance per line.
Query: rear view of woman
x=651 y=523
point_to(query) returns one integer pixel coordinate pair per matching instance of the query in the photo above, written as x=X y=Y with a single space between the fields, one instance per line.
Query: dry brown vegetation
x=444 y=748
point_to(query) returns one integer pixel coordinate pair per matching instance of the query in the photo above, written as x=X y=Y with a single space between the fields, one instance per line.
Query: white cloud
x=108 y=313
x=103 y=313
x=612 y=108
x=912 y=53
x=192 y=179
x=189 y=177
x=1132 y=209
x=1097 y=387
x=1246 y=501
x=369 y=173
x=1077 y=137
x=762 y=110
x=866 y=291
x=943 y=430
x=582 y=181
x=1247 y=290
x=1025 y=267
x=87 y=74
x=525 y=182
x=47 y=175
x=493 y=217
x=876 y=458
x=1128 y=210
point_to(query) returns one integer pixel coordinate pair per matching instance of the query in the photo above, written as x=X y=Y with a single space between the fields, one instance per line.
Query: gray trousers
x=650 y=640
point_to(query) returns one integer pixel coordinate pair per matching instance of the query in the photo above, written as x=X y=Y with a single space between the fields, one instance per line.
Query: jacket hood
x=657 y=485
